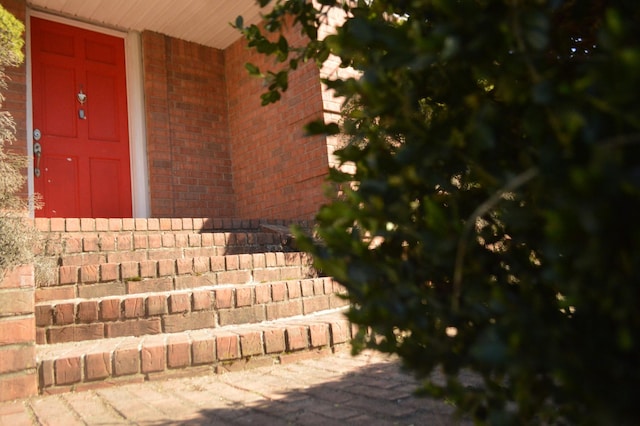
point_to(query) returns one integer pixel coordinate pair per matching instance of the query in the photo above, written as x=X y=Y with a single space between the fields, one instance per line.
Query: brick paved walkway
x=334 y=390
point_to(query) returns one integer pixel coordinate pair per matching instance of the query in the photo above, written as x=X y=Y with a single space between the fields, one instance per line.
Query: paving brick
x=16 y=387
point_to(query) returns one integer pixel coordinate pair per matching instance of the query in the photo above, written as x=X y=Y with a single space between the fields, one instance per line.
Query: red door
x=80 y=122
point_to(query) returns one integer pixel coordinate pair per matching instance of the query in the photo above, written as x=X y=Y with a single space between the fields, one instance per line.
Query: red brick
x=90 y=244
x=68 y=274
x=184 y=266
x=223 y=298
x=87 y=224
x=166 y=267
x=232 y=262
x=202 y=300
x=274 y=341
x=227 y=346
x=14 y=302
x=18 y=386
x=126 y=361
x=296 y=337
x=178 y=352
x=248 y=315
x=263 y=293
x=168 y=240
x=189 y=321
x=141 y=224
x=201 y=264
x=67 y=370
x=149 y=285
x=44 y=315
x=46 y=373
x=217 y=263
x=340 y=331
x=250 y=343
x=294 y=289
x=115 y=224
x=109 y=272
x=140 y=242
x=73 y=245
x=75 y=333
x=153 y=357
x=270 y=259
x=203 y=350
x=244 y=296
x=18 y=277
x=97 y=366
x=155 y=241
x=133 y=307
x=318 y=286
x=286 y=309
x=292 y=259
x=315 y=304
x=233 y=277
x=130 y=270
x=128 y=224
x=179 y=302
x=307 y=288
x=133 y=327
x=88 y=311
x=64 y=313
x=110 y=309
x=319 y=334
x=17 y=358
x=157 y=304
x=278 y=291
x=148 y=268
x=182 y=240
x=259 y=260
x=89 y=274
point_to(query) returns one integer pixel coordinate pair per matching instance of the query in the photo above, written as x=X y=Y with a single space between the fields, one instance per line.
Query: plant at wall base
x=491 y=219
x=16 y=236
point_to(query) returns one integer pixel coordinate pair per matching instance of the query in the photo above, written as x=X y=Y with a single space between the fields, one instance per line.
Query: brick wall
x=187 y=129
x=278 y=172
x=18 y=377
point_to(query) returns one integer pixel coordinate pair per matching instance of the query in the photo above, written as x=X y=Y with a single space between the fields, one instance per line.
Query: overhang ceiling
x=201 y=21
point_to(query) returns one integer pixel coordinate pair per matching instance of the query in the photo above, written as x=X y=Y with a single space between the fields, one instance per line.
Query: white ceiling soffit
x=201 y=21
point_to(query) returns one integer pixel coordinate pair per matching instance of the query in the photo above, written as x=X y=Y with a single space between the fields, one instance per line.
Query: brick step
x=173 y=311
x=92 y=364
x=218 y=236
x=142 y=276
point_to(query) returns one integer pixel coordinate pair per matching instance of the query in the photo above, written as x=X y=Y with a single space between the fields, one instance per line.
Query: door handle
x=37 y=151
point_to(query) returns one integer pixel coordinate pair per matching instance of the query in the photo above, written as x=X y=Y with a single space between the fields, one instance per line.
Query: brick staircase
x=134 y=299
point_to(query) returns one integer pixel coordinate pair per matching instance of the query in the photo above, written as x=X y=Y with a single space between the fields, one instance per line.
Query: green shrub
x=491 y=222
x=16 y=236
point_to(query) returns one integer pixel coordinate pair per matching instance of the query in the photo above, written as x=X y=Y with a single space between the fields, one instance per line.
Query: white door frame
x=135 y=107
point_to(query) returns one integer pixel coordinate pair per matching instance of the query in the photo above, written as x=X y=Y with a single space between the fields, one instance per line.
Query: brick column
x=18 y=376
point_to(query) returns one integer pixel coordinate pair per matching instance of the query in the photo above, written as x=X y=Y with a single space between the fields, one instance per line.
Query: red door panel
x=84 y=165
